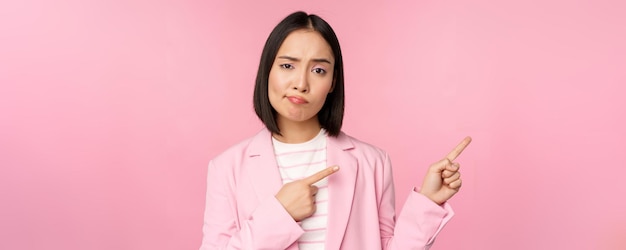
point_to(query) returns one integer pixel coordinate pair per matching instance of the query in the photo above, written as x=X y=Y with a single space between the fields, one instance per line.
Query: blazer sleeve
x=268 y=227
x=419 y=221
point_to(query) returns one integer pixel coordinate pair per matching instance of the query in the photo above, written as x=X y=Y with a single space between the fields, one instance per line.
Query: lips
x=297 y=100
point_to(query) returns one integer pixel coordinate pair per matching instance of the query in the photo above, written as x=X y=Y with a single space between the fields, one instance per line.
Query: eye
x=319 y=71
x=286 y=66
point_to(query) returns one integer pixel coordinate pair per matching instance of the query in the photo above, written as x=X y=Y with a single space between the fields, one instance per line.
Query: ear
x=332 y=88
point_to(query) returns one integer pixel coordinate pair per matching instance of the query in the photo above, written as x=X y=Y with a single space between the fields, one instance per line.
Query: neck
x=297 y=132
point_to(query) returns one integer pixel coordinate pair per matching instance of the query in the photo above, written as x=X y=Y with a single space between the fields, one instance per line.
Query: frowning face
x=301 y=77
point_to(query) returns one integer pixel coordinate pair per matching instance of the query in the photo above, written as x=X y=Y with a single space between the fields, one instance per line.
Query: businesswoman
x=301 y=183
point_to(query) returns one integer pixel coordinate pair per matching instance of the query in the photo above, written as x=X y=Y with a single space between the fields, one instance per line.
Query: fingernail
x=336 y=168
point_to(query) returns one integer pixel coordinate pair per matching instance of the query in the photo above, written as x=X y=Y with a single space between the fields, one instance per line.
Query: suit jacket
x=242 y=213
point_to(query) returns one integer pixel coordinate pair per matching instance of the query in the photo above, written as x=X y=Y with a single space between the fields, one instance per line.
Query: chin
x=298 y=118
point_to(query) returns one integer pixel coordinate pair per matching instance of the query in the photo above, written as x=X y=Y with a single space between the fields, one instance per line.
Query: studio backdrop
x=111 y=110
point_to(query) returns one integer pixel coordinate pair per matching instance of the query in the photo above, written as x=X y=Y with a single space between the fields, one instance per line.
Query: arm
x=268 y=227
x=420 y=219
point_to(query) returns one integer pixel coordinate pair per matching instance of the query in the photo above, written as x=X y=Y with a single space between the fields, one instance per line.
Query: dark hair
x=331 y=114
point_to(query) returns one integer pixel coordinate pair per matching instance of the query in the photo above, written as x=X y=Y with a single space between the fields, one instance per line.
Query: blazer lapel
x=341 y=188
x=265 y=176
x=266 y=179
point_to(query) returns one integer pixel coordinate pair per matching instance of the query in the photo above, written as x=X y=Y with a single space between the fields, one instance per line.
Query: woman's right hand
x=298 y=197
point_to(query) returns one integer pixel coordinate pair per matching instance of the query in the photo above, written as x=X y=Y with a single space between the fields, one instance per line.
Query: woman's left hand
x=443 y=179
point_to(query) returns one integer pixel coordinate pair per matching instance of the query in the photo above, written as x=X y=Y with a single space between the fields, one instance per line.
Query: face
x=301 y=77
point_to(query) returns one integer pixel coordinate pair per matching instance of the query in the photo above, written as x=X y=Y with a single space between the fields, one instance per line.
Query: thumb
x=440 y=166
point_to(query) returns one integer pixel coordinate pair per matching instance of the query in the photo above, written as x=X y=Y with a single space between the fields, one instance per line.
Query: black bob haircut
x=331 y=114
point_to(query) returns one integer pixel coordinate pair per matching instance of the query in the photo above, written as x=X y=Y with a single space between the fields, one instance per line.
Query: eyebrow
x=319 y=60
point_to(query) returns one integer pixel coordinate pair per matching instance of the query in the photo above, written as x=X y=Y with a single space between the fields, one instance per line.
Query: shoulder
x=239 y=150
x=361 y=148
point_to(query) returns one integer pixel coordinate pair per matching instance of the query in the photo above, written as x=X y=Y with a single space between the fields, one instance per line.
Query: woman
x=275 y=191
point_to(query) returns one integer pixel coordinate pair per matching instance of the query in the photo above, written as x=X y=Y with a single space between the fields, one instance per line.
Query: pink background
x=111 y=110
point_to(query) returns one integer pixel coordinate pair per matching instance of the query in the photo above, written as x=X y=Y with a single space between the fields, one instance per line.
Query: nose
x=301 y=83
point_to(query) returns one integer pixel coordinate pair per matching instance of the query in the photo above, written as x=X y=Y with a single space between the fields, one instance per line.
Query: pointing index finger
x=459 y=148
x=320 y=175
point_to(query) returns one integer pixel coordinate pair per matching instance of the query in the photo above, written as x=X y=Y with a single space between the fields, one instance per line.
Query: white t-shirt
x=300 y=160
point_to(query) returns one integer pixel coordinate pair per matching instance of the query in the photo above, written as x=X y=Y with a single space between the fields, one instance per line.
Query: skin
x=302 y=69
x=443 y=179
x=299 y=82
